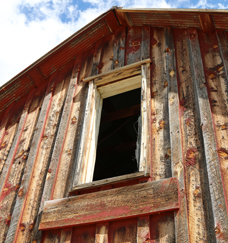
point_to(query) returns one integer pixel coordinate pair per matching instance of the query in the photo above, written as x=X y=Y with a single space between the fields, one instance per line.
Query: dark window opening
x=118 y=135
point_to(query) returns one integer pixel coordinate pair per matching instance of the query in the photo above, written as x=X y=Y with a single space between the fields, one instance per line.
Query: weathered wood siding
x=39 y=136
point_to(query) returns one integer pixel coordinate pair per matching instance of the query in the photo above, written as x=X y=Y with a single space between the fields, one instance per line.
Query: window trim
x=86 y=153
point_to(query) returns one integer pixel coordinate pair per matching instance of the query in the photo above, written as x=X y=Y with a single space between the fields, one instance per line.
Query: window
x=135 y=79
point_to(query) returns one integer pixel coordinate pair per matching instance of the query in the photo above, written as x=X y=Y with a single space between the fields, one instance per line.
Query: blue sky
x=30 y=28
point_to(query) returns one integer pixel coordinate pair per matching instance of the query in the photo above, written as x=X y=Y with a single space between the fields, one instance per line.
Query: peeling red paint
x=8 y=220
x=22 y=227
x=3 y=145
x=191 y=157
x=223 y=153
x=188 y=121
x=8 y=187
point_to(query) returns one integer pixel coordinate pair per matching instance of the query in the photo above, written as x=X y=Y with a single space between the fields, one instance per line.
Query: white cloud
x=30 y=28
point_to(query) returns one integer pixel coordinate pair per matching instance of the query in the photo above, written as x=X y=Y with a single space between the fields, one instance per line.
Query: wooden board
x=146 y=198
x=108 y=181
x=123 y=231
x=160 y=135
x=84 y=234
x=194 y=160
x=162 y=228
x=102 y=233
x=133 y=45
x=181 y=222
x=13 y=170
x=117 y=74
x=120 y=86
x=217 y=192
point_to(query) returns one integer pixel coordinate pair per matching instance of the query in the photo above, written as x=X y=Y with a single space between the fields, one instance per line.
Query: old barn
x=120 y=133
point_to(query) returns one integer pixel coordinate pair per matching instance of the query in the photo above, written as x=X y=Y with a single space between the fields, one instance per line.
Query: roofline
x=38 y=72
x=114 y=9
x=161 y=10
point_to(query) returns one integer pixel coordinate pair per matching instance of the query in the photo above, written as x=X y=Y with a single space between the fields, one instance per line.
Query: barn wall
x=189 y=121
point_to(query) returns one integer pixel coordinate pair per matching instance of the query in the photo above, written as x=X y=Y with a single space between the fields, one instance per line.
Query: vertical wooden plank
x=143 y=229
x=181 y=223
x=13 y=170
x=14 y=227
x=216 y=63
x=133 y=45
x=84 y=234
x=123 y=231
x=145 y=116
x=160 y=134
x=4 y=121
x=199 y=213
x=10 y=131
x=106 y=62
x=212 y=160
x=72 y=132
x=89 y=135
x=52 y=236
x=145 y=139
x=93 y=137
x=66 y=236
x=119 y=47
x=62 y=158
x=97 y=57
x=27 y=203
x=87 y=151
x=59 y=169
x=101 y=233
x=162 y=228
x=145 y=46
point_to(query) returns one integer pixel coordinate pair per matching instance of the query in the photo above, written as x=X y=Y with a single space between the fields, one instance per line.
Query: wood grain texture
x=101 y=233
x=162 y=228
x=123 y=231
x=51 y=236
x=27 y=203
x=84 y=146
x=145 y=47
x=84 y=234
x=129 y=201
x=13 y=170
x=199 y=214
x=10 y=132
x=121 y=86
x=181 y=222
x=60 y=172
x=42 y=160
x=108 y=181
x=106 y=62
x=143 y=229
x=215 y=63
x=4 y=120
x=66 y=235
x=119 y=47
x=117 y=74
x=210 y=148
x=18 y=208
x=53 y=170
x=133 y=45
x=145 y=158
x=160 y=134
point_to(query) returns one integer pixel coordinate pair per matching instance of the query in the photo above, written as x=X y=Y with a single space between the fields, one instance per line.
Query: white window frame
x=101 y=86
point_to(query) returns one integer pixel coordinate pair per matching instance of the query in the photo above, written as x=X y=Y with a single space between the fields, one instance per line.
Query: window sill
x=95 y=185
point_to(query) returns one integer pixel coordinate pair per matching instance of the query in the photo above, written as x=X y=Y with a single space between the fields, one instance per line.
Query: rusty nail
x=22 y=226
